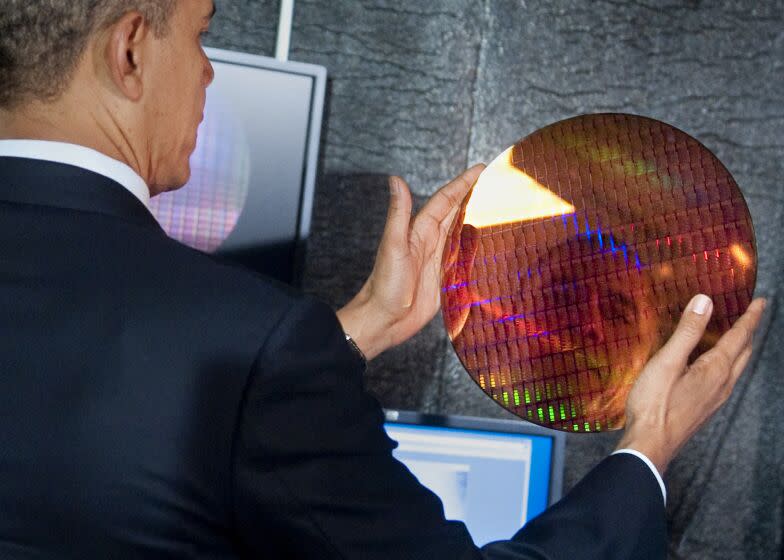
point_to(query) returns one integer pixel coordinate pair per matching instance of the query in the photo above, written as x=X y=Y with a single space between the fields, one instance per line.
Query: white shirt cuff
x=647 y=461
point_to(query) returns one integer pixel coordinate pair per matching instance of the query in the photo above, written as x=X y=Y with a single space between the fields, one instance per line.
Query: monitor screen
x=253 y=171
x=492 y=479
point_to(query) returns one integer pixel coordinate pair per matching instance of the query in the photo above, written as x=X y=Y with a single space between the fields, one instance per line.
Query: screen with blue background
x=492 y=481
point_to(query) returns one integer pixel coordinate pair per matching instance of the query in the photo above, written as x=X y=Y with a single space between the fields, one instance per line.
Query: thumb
x=688 y=333
x=398 y=215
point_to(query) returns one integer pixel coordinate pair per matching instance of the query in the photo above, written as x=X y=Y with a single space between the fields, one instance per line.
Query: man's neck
x=68 y=120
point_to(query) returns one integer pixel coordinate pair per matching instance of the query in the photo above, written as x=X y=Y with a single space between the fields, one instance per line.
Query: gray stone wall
x=425 y=89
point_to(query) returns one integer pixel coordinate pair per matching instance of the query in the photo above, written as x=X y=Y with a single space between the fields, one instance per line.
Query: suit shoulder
x=185 y=277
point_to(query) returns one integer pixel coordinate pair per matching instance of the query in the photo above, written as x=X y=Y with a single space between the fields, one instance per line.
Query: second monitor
x=494 y=475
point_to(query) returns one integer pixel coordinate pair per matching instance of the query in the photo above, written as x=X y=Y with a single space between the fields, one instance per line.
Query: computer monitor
x=494 y=475
x=253 y=171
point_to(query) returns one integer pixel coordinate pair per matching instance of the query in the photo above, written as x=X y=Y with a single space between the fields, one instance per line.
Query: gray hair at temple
x=41 y=41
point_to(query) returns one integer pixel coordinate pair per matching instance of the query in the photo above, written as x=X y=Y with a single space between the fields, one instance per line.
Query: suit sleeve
x=615 y=512
x=314 y=475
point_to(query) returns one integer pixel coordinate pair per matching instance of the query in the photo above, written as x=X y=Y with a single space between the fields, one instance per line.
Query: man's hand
x=402 y=293
x=460 y=252
x=671 y=400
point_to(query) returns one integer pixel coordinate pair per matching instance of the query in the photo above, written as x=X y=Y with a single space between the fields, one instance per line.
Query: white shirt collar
x=79 y=156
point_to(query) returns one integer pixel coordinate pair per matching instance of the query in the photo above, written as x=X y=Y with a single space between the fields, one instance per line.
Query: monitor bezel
x=497 y=425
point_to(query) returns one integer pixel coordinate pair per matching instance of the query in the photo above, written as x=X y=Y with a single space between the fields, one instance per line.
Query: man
x=157 y=403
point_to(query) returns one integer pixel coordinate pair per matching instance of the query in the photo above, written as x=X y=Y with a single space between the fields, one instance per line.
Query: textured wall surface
x=425 y=89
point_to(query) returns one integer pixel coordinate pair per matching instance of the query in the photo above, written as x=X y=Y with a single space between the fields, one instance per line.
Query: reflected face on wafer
x=604 y=227
x=597 y=322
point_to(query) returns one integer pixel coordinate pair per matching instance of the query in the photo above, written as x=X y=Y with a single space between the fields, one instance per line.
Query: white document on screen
x=481 y=478
x=448 y=480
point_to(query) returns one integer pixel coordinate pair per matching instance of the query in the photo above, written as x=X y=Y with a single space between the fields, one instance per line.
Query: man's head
x=126 y=77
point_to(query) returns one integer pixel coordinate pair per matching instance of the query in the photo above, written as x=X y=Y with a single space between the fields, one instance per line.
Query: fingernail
x=394 y=188
x=701 y=304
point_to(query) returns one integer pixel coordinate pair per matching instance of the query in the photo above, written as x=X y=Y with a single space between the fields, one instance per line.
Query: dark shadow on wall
x=769 y=461
x=348 y=220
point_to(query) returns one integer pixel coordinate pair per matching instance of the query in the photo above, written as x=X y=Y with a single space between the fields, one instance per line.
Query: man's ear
x=127 y=44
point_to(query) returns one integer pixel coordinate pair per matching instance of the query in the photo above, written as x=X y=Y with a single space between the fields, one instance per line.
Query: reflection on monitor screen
x=204 y=212
x=494 y=482
x=253 y=170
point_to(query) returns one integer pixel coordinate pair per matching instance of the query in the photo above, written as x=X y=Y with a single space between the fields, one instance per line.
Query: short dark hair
x=41 y=41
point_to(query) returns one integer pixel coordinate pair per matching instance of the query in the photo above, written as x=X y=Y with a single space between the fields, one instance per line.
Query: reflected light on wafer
x=740 y=255
x=523 y=197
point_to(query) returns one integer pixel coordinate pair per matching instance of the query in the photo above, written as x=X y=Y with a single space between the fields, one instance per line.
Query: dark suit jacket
x=157 y=403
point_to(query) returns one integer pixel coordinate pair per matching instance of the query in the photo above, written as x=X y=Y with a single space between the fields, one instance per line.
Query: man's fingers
x=688 y=333
x=452 y=194
x=398 y=215
x=454 y=230
x=451 y=216
x=734 y=342
x=441 y=248
x=740 y=363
